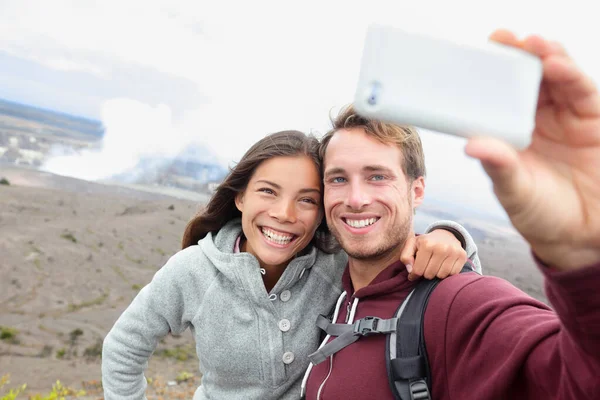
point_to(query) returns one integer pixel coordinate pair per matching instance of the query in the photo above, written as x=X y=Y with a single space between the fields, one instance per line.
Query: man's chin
x=365 y=252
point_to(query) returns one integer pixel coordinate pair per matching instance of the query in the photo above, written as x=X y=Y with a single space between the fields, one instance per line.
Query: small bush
x=60 y=353
x=8 y=334
x=59 y=392
x=94 y=351
x=13 y=393
x=4 y=181
x=69 y=236
x=184 y=376
x=74 y=335
x=179 y=353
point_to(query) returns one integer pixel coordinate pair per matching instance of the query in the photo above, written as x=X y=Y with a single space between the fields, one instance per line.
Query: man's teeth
x=360 y=223
x=276 y=237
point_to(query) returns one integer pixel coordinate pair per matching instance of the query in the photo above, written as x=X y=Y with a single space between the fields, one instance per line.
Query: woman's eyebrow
x=278 y=187
x=310 y=190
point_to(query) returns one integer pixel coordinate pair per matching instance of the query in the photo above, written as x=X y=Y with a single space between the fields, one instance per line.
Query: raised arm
x=440 y=252
x=510 y=345
x=551 y=190
x=487 y=339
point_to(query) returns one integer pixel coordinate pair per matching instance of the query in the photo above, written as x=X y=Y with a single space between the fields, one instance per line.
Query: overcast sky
x=160 y=73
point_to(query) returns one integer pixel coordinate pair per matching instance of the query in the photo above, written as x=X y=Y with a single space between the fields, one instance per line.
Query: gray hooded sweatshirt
x=251 y=344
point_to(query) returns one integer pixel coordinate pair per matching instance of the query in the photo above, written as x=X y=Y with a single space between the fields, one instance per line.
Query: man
x=485 y=339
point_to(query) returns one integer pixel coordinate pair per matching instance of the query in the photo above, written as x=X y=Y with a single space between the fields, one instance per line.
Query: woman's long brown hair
x=221 y=207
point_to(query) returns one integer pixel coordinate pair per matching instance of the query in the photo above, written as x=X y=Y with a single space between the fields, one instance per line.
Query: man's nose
x=358 y=197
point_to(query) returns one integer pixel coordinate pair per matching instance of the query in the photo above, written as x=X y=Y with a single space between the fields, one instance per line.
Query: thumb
x=502 y=164
x=408 y=253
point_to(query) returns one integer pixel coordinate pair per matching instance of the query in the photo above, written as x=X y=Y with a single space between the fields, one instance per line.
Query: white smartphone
x=464 y=90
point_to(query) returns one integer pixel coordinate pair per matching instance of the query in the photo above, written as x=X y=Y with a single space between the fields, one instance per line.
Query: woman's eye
x=310 y=201
x=266 y=190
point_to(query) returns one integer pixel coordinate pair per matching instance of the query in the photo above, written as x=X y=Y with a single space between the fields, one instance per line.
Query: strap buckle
x=418 y=390
x=366 y=326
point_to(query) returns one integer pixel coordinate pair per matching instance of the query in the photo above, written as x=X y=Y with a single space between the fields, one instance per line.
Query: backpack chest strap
x=346 y=334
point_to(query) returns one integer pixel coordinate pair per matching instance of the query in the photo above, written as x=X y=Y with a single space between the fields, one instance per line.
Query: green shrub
x=58 y=393
x=69 y=236
x=12 y=393
x=179 y=353
x=94 y=351
x=60 y=353
x=8 y=334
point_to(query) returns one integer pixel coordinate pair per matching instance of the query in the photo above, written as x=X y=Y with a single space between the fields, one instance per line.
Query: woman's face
x=281 y=209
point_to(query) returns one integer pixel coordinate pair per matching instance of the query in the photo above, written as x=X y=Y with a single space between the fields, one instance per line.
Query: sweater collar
x=392 y=279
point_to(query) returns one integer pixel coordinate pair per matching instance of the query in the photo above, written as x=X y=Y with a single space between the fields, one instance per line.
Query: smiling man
x=484 y=338
x=373 y=183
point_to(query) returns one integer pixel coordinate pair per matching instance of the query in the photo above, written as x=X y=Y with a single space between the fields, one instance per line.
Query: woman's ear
x=239 y=201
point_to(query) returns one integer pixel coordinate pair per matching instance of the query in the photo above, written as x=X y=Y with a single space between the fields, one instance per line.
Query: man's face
x=368 y=201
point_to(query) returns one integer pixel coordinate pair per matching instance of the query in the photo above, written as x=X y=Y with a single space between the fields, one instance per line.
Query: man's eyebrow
x=376 y=168
x=334 y=171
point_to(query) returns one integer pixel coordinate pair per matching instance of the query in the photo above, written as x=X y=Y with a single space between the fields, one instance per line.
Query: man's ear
x=418 y=191
x=239 y=201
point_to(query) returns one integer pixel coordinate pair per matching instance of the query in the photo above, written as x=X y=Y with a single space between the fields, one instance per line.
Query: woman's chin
x=268 y=259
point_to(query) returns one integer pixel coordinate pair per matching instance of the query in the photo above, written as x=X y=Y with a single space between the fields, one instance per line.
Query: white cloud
x=273 y=65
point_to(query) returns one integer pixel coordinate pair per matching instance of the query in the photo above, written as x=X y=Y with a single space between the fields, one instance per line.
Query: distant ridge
x=51 y=117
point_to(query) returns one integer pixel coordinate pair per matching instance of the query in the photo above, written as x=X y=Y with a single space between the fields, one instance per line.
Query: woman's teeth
x=277 y=237
x=361 y=223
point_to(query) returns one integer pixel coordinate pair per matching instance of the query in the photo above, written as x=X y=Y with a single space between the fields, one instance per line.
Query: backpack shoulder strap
x=406 y=356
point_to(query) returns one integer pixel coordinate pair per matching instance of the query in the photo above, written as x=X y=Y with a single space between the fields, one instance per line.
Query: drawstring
x=324 y=342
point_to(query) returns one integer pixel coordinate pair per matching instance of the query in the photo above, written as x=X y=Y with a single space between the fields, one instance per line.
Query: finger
x=421 y=261
x=501 y=162
x=558 y=48
x=575 y=86
x=446 y=267
x=506 y=37
x=542 y=48
x=408 y=252
x=494 y=152
x=457 y=266
x=458 y=258
x=574 y=89
x=433 y=266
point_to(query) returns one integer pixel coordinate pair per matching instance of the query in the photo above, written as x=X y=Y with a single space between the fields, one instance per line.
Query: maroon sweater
x=485 y=339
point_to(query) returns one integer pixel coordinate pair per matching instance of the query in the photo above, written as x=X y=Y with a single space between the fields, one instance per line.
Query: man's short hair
x=405 y=137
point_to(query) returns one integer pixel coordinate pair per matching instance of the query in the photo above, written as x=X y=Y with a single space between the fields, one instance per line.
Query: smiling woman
x=258 y=266
x=280 y=215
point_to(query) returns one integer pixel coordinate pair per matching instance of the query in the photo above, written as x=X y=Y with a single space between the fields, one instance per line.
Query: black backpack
x=409 y=375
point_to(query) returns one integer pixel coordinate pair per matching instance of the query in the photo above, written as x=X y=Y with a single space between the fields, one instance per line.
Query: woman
x=257 y=268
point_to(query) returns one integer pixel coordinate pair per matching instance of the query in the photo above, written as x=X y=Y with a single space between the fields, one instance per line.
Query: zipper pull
x=348 y=305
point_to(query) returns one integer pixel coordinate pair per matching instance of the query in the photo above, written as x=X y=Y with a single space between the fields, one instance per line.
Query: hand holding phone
x=412 y=79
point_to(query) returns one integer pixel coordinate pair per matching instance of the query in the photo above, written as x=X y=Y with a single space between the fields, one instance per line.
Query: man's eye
x=377 y=178
x=338 y=179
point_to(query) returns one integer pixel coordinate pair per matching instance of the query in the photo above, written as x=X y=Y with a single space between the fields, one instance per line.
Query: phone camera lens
x=373 y=95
